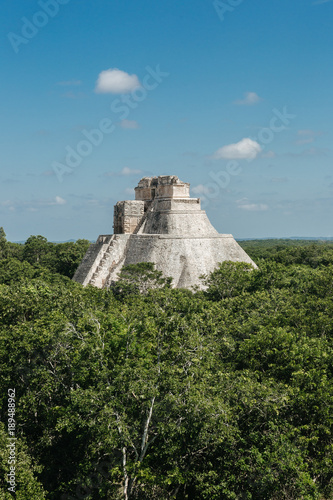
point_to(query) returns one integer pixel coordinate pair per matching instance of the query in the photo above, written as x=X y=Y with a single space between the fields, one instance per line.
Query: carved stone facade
x=127 y=215
x=165 y=226
x=164 y=186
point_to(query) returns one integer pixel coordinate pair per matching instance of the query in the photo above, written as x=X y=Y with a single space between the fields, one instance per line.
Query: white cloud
x=60 y=201
x=129 y=124
x=251 y=207
x=200 y=189
x=246 y=149
x=115 y=81
x=250 y=98
x=130 y=171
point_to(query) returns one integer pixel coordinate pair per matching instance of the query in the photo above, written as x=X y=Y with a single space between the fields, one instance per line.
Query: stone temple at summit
x=162 y=225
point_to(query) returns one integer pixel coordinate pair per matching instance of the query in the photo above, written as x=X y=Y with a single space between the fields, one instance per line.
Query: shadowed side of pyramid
x=165 y=226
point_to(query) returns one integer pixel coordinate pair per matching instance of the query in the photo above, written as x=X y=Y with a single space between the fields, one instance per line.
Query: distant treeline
x=37 y=252
x=309 y=252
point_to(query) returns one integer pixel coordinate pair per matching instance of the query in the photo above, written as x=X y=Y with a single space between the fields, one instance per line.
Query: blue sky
x=232 y=96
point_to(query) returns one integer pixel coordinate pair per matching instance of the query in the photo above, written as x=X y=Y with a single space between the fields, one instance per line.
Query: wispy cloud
x=130 y=171
x=246 y=149
x=116 y=81
x=307 y=136
x=87 y=201
x=200 y=189
x=268 y=154
x=73 y=95
x=129 y=124
x=310 y=152
x=48 y=173
x=302 y=205
x=250 y=98
x=124 y=171
x=32 y=205
x=244 y=204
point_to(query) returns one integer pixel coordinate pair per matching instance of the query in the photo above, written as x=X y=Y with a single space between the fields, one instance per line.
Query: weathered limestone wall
x=179 y=216
x=175 y=222
x=184 y=259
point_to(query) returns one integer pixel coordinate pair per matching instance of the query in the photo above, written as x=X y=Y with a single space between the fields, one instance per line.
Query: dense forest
x=148 y=392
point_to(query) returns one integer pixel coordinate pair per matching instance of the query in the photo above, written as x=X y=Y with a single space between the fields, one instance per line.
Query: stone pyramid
x=162 y=225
